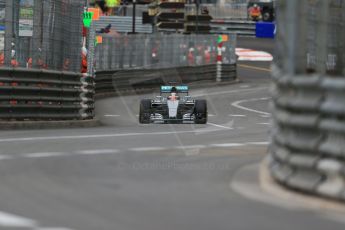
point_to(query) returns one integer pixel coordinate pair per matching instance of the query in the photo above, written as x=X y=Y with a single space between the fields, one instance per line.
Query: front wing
x=160 y=114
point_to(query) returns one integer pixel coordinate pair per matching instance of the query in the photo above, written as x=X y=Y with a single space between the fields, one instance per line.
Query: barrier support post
x=219 y=59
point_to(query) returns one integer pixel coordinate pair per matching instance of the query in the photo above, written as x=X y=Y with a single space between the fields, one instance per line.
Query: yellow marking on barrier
x=255 y=68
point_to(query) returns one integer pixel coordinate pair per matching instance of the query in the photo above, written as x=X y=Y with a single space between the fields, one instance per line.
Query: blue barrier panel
x=265 y=30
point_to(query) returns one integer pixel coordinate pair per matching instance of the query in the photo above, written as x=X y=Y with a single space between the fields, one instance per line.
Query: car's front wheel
x=200 y=112
x=145 y=111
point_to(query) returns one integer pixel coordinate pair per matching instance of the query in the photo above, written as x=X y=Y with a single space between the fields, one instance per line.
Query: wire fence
x=318 y=26
x=42 y=34
x=2 y=25
x=161 y=51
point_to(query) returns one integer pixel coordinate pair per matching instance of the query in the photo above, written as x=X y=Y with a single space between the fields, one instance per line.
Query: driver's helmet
x=173 y=95
x=255 y=5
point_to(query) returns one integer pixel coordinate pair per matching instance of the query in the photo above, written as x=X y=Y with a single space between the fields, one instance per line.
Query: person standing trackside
x=2 y=59
x=155 y=53
x=207 y=56
x=14 y=62
x=66 y=64
x=191 y=56
x=255 y=13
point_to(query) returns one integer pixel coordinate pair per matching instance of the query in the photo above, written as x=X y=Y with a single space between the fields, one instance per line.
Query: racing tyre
x=145 y=111
x=200 y=112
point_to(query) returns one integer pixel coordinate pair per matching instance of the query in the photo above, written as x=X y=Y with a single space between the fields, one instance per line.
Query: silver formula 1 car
x=173 y=105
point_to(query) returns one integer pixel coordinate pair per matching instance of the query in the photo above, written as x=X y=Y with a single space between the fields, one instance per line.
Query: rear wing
x=180 y=89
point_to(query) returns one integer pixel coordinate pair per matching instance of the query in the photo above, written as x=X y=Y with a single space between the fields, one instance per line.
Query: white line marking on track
x=211 y=115
x=258 y=143
x=225 y=145
x=147 y=149
x=52 y=228
x=236 y=104
x=14 y=221
x=5 y=157
x=219 y=126
x=90 y=136
x=8 y=220
x=106 y=135
x=237 y=115
x=189 y=150
x=264 y=123
x=112 y=115
x=44 y=154
x=97 y=151
x=190 y=147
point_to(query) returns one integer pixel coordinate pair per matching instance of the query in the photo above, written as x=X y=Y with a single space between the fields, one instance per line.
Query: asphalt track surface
x=126 y=176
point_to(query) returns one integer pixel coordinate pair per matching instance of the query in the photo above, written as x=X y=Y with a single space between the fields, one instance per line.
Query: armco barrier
x=308 y=148
x=35 y=95
x=239 y=27
x=45 y=95
x=112 y=81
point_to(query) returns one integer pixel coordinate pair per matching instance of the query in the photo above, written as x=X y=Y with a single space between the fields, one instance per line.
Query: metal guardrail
x=28 y=94
x=45 y=95
x=308 y=148
x=230 y=10
x=123 y=24
x=52 y=95
x=236 y=10
x=115 y=81
x=240 y=27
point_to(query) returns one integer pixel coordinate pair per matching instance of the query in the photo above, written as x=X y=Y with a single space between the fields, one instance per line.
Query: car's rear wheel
x=200 y=112
x=145 y=111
